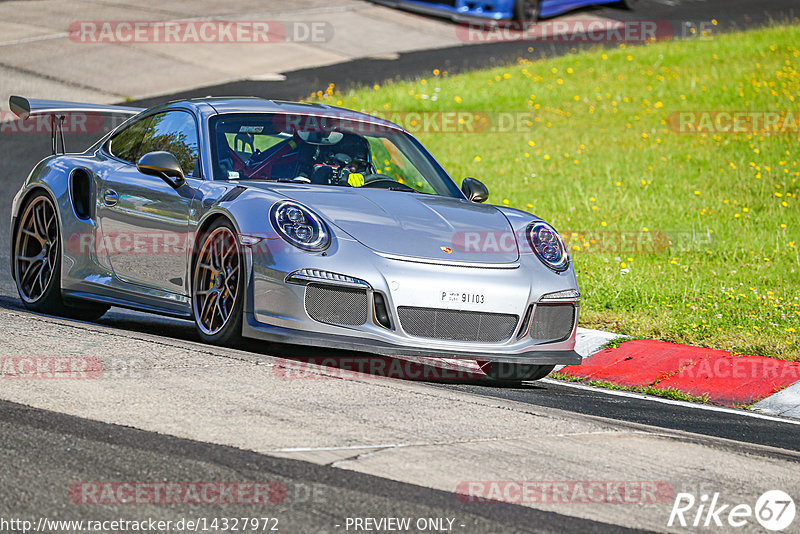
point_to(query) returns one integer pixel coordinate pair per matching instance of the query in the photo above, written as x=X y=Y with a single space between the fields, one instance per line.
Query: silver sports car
x=289 y=222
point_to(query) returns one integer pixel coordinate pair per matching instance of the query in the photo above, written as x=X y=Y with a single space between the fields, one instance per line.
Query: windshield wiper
x=406 y=190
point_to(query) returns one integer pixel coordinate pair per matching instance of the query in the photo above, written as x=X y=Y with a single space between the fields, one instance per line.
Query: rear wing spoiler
x=57 y=110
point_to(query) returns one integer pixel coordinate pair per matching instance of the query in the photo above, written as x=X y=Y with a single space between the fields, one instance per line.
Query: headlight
x=547 y=244
x=300 y=226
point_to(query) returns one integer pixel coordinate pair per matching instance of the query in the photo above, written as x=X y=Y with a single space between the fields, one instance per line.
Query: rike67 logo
x=774 y=510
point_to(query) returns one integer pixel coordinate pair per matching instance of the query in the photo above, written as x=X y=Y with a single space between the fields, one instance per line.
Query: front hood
x=412 y=224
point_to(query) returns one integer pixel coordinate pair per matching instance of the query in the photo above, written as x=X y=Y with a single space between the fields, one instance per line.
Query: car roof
x=223 y=105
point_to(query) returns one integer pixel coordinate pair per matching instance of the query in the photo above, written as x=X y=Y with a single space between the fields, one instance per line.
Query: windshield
x=323 y=151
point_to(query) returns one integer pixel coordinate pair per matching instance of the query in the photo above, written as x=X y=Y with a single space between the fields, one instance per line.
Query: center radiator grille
x=457 y=325
x=336 y=305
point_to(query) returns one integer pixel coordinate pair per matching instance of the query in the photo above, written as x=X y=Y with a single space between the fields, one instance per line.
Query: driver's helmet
x=357 y=148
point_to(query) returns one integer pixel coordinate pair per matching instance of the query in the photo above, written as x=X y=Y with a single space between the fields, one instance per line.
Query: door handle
x=110 y=197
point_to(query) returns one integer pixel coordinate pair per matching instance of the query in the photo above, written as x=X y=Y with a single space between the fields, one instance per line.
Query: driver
x=345 y=162
x=358 y=149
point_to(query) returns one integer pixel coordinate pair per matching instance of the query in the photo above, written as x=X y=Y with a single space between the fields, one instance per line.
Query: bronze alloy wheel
x=37 y=249
x=217 y=282
x=37 y=262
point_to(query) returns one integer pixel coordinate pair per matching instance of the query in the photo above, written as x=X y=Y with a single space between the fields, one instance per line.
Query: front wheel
x=218 y=286
x=514 y=373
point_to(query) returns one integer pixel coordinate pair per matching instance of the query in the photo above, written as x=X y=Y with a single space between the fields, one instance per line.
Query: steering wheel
x=256 y=158
x=387 y=183
x=374 y=177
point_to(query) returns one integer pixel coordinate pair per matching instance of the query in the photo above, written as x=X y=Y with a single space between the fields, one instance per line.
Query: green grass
x=616 y=342
x=711 y=222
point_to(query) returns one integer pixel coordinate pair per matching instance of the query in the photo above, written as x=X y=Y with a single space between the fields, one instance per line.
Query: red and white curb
x=588 y=341
x=767 y=385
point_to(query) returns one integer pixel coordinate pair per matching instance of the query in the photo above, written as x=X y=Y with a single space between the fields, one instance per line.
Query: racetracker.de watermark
x=177 y=493
x=50 y=368
x=740 y=368
x=564 y=492
x=599 y=241
x=199 y=32
x=374 y=367
x=600 y=30
x=460 y=121
x=95 y=243
x=69 y=123
x=735 y=122
x=440 y=121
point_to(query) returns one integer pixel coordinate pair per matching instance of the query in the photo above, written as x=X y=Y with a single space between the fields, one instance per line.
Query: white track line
x=685 y=404
x=46 y=37
x=404 y=445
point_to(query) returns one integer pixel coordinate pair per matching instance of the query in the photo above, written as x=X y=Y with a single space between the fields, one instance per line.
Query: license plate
x=461 y=297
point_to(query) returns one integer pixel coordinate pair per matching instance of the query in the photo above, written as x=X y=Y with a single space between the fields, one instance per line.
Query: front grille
x=456 y=325
x=552 y=322
x=336 y=305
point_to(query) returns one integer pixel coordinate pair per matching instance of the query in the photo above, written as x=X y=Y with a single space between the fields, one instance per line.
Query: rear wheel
x=526 y=10
x=218 y=286
x=37 y=262
x=514 y=373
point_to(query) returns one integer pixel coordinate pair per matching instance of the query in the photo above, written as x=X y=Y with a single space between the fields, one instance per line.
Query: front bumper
x=256 y=330
x=275 y=310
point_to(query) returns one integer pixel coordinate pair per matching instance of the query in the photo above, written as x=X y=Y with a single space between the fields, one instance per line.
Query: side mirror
x=164 y=165
x=475 y=190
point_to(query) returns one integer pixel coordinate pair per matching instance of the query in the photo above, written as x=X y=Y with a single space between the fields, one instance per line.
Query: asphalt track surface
x=37 y=439
x=53 y=450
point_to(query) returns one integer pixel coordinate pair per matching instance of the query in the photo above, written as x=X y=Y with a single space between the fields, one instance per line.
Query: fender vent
x=336 y=305
x=232 y=194
x=81 y=192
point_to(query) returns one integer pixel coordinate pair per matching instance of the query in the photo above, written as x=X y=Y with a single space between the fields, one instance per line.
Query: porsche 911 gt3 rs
x=289 y=222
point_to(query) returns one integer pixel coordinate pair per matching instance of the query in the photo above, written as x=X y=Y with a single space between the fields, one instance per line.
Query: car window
x=125 y=144
x=389 y=160
x=174 y=132
x=322 y=151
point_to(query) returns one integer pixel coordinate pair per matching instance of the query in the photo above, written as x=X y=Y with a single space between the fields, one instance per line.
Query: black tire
x=210 y=296
x=516 y=373
x=527 y=10
x=37 y=262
